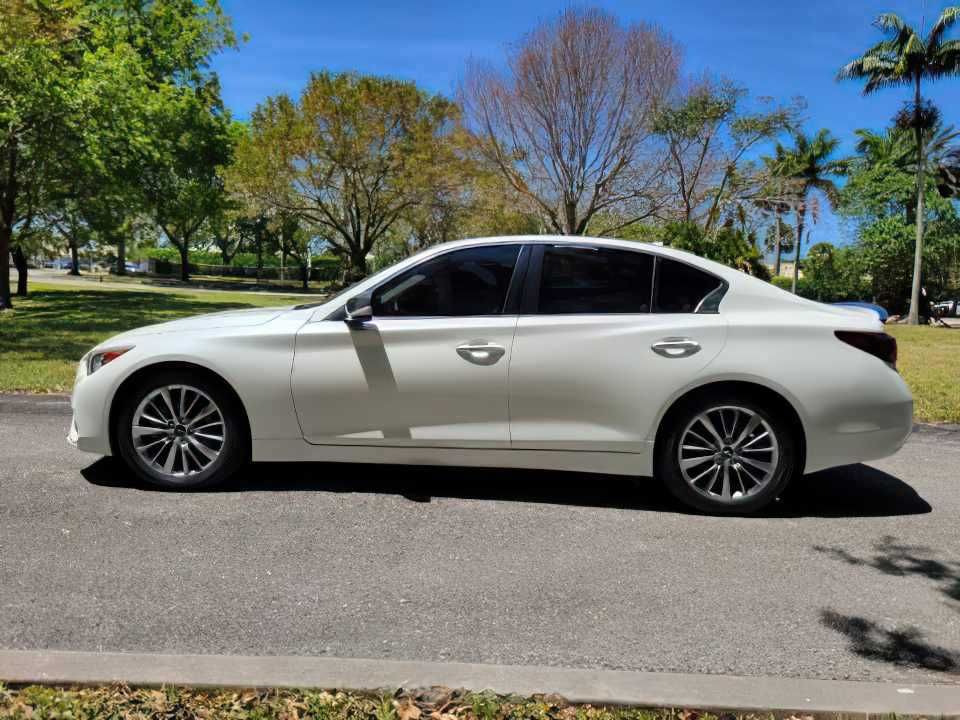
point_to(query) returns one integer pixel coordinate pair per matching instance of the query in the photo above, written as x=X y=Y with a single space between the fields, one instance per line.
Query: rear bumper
x=873 y=427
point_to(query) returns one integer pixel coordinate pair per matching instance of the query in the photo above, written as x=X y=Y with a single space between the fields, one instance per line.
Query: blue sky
x=778 y=48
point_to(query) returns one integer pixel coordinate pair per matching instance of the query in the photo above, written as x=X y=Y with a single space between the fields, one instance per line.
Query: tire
x=185 y=424
x=727 y=470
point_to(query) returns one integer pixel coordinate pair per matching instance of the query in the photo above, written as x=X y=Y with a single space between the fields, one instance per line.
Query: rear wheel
x=725 y=454
x=180 y=430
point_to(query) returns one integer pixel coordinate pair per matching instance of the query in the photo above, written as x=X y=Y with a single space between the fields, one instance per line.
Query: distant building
x=786 y=268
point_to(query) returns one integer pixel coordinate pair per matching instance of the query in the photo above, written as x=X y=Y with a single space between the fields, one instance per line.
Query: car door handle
x=676 y=347
x=481 y=353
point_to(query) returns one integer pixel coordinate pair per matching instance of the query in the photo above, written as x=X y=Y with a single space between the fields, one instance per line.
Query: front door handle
x=676 y=347
x=480 y=352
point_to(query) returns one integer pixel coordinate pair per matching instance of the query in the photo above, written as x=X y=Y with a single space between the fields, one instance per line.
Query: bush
x=172 y=255
x=325 y=267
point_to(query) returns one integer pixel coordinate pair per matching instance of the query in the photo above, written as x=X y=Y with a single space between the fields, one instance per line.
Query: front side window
x=682 y=288
x=472 y=281
x=577 y=280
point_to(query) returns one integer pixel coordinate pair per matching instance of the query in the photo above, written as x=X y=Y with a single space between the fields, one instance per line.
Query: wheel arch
x=145 y=371
x=758 y=391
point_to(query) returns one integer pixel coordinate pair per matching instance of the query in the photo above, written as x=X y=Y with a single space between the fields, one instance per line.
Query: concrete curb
x=35 y=403
x=609 y=687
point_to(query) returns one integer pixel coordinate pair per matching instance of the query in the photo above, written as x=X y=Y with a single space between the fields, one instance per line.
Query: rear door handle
x=676 y=347
x=480 y=352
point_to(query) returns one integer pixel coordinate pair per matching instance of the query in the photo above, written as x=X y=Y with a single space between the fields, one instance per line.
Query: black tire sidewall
x=232 y=455
x=668 y=469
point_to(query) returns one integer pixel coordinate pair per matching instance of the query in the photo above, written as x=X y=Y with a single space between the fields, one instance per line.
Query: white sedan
x=578 y=354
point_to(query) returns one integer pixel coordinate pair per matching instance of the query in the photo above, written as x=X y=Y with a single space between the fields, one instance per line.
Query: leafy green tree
x=347 y=157
x=887 y=245
x=727 y=245
x=39 y=92
x=906 y=57
x=833 y=274
x=881 y=178
x=807 y=166
x=879 y=196
x=183 y=185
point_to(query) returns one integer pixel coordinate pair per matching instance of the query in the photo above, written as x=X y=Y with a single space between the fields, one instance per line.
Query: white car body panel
x=575 y=392
x=591 y=382
x=400 y=382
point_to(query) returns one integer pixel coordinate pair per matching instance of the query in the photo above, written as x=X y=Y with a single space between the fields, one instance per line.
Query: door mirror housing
x=359 y=309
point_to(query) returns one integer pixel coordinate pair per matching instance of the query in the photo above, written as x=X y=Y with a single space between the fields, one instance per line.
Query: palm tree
x=895 y=149
x=773 y=198
x=806 y=167
x=905 y=57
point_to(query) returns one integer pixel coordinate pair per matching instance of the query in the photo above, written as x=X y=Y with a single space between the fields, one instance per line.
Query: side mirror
x=359 y=309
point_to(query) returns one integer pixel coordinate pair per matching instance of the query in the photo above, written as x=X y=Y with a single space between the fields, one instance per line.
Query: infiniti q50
x=575 y=354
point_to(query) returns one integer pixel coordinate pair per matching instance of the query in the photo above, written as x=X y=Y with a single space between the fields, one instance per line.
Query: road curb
x=35 y=403
x=607 y=687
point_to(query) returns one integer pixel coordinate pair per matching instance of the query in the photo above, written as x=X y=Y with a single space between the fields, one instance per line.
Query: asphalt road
x=856 y=574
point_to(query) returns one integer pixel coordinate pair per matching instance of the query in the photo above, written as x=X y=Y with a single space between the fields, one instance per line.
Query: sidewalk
x=598 y=687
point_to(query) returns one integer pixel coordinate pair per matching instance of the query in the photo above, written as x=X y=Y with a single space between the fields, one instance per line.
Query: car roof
x=727 y=273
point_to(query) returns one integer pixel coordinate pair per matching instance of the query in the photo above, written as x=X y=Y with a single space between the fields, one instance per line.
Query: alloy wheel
x=178 y=431
x=728 y=453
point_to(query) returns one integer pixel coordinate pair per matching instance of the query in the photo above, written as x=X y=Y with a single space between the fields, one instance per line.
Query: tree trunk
x=7 y=212
x=184 y=249
x=121 y=256
x=305 y=273
x=777 y=246
x=357 y=270
x=74 y=257
x=796 y=258
x=5 y=233
x=914 y=316
x=20 y=261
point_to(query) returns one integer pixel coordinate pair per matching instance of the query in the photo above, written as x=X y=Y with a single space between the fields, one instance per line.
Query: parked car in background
x=881 y=312
x=528 y=352
x=946 y=309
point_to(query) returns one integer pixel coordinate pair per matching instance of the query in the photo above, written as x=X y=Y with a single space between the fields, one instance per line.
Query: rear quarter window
x=682 y=288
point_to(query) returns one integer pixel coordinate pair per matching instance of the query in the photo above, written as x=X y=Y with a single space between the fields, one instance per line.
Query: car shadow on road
x=851 y=491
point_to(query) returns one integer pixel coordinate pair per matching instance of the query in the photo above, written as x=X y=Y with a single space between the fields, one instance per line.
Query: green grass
x=929 y=360
x=41 y=703
x=45 y=335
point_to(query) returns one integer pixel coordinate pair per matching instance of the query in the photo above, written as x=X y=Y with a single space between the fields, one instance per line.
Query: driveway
x=855 y=575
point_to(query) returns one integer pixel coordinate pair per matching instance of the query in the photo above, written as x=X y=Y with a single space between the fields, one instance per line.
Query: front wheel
x=180 y=430
x=727 y=455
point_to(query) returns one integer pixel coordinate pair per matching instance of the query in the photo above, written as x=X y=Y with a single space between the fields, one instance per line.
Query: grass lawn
x=119 y=701
x=45 y=335
x=929 y=360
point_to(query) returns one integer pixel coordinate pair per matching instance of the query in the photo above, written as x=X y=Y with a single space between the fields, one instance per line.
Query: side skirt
x=613 y=463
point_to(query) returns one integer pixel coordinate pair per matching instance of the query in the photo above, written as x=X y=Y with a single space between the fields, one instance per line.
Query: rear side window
x=472 y=281
x=682 y=288
x=577 y=280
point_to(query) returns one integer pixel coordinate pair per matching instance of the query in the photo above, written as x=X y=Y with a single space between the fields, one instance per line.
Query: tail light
x=878 y=344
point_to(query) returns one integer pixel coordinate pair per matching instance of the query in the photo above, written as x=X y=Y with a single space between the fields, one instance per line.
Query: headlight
x=97 y=360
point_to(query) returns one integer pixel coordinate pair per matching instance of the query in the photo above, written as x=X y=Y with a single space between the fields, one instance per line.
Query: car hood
x=210 y=321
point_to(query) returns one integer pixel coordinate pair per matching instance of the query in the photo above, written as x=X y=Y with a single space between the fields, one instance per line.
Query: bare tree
x=708 y=133
x=569 y=122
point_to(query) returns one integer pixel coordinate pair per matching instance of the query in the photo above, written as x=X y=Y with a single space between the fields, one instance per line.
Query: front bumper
x=89 y=424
